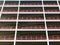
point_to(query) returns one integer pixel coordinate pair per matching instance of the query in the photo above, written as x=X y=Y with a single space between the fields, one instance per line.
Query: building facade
x=29 y=22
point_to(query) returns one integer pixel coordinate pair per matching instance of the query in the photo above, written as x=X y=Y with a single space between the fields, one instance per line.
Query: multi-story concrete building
x=29 y=22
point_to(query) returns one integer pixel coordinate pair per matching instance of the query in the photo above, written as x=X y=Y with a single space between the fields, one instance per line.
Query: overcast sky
x=38 y=0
